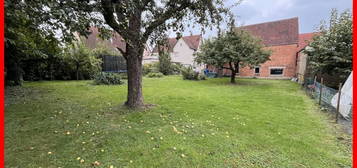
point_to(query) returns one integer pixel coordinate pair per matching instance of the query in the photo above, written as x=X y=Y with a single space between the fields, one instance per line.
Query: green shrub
x=123 y=75
x=155 y=75
x=189 y=74
x=165 y=63
x=151 y=68
x=176 y=68
x=201 y=77
x=105 y=78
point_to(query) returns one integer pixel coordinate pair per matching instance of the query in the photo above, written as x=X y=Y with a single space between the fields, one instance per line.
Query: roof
x=192 y=41
x=304 y=40
x=280 y=32
x=93 y=39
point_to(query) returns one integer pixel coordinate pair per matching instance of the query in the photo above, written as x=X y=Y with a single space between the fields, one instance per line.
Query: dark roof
x=280 y=32
x=192 y=41
x=304 y=40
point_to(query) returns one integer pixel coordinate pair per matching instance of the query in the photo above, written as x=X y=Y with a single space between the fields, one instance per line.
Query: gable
x=180 y=45
x=192 y=42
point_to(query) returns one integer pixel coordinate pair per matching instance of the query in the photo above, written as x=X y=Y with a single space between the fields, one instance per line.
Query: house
x=111 y=63
x=282 y=38
x=181 y=50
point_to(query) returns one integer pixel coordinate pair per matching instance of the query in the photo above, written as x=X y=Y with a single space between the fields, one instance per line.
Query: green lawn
x=256 y=123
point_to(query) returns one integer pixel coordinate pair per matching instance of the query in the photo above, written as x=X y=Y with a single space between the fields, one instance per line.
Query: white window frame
x=276 y=68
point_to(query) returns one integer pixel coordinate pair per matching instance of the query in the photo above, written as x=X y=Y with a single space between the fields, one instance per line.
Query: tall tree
x=135 y=20
x=164 y=55
x=330 y=52
x=237 y=49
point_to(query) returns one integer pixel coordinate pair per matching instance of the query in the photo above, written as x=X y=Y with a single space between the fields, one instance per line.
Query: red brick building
x=282 y=38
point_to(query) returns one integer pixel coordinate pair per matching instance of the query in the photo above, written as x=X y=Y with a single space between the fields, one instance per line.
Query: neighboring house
x=111 y=63
x=301 y=64
x=181 y=51
x=282 y=38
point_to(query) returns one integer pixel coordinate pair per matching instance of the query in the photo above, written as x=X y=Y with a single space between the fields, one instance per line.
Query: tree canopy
x=233 y=50
x=330 y=52
x=137 y=21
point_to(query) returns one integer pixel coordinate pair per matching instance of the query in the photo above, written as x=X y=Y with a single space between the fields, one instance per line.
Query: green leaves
x=331 y=51
x=235 y=47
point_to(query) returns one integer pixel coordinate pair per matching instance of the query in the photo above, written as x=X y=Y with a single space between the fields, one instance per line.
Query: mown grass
x=256 y=123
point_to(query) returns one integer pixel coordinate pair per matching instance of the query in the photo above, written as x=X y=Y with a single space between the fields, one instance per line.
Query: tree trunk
x=134 y=67
x=233 y=72
x=77 y=71
x=233 y=77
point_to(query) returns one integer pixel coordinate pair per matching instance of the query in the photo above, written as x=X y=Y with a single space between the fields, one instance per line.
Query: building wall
x=282 y=57
x=301 y=66
x=182 y=53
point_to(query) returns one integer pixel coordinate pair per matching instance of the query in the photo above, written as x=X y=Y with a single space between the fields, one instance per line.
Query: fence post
x=315 y=80
x=338 y=102
x=312 y=89
x=322 y=82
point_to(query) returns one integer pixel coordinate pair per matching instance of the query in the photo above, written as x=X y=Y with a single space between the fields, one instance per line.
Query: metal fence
x=113 y=63
x=334 y=100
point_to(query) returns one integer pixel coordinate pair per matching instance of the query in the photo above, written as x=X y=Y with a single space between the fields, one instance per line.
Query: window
x=257 y=70
x=276 y=71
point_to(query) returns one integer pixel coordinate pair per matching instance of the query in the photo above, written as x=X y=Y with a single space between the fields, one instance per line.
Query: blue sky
x=309 y=12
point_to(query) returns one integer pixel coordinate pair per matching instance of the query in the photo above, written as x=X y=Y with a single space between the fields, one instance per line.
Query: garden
x=186 y=123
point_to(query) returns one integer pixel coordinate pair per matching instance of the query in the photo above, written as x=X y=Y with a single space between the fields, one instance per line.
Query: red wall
x=282 y=56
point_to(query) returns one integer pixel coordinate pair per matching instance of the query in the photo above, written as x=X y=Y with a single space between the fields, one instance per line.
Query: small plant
x=201 y=77
x=155 y=75
x=176 y=68
x=189 y=74
x=105 y=78
x=123 y=75
x=150 y=68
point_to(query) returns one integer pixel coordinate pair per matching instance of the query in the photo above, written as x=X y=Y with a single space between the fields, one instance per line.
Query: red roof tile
x=304 y=40
x=193 y=41
x=281 y=32
x=93 y=39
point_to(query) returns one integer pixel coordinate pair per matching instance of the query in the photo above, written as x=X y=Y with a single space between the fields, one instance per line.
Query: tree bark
x=233 y=77
x=77 y=71
x=134 y=67
x=233 y=73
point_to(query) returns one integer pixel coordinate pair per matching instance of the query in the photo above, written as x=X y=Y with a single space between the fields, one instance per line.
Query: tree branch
x=122 y=52
x=108 y=13
x=236 y=65
x=161 y=18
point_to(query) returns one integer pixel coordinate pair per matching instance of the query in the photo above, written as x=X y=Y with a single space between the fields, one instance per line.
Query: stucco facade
x=181 y=51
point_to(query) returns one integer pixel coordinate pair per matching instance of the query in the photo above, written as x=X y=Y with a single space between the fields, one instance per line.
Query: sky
x=309 y=12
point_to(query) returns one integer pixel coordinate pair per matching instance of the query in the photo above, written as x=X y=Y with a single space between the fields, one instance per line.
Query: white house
x=181 y=51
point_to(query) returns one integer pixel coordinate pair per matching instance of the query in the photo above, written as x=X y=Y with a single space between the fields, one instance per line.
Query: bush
x=151 y=68
x=105 y=78
x=123 y=76
x=165 y=63
x=155 y=75
x=202 y=77
x=189 y=74
x=176 y=68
